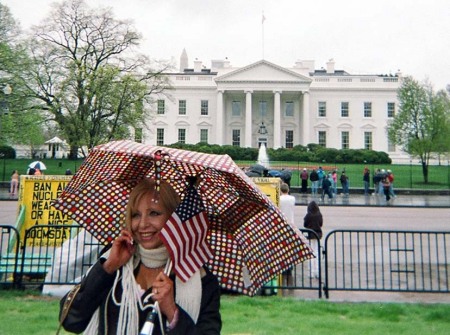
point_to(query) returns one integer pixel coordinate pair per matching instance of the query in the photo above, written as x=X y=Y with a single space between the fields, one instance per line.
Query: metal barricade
x=9 y=256
x=56 y=255
x=380 y=260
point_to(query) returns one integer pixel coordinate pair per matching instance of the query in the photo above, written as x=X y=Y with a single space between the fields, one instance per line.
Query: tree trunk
x=425 y=172
x=73 y=152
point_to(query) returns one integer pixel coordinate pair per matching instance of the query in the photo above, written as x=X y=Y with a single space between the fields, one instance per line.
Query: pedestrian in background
x=314 y=177
x=366 y=180
x=287 y=204
x=390 y=176
x=344 y=183
x=313 y=220
x=304 y=177
x=287 y=207
x=327 y=187
x=14 y=184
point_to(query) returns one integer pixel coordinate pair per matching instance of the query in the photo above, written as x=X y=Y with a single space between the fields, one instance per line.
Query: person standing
x=287 y=204
x=304 y=177
x=14 y=186
x=327 y=187
x=334 y=177
x=287 y=207
x=390 y=176
x=313 y=220
x=344 y=183
x=314 y=177
x=386 y=187
x=366 y=180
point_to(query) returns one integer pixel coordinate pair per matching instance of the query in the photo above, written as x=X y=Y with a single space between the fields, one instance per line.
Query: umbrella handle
x=149 y=324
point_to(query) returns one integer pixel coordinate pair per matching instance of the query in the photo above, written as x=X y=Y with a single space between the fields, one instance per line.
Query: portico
x=262 y=103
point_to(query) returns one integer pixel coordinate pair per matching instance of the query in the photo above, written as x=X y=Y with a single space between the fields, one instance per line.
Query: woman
x=313 y=220
x=134 y=268
x=14 y=183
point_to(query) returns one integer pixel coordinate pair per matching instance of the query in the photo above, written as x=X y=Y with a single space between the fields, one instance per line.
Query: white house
x=281 y=107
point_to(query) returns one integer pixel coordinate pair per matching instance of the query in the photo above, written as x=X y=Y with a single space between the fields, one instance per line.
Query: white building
x=282 y=107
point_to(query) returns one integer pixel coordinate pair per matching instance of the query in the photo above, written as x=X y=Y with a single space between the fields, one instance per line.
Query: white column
x=219 y=116
x=277 y=120
x=306 y=121
x=248 y=119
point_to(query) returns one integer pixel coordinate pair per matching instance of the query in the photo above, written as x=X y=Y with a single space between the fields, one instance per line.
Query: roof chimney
x=330 y=66
x=197 y=65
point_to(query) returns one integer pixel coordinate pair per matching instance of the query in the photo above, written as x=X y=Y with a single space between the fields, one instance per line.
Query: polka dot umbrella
x=250 y=238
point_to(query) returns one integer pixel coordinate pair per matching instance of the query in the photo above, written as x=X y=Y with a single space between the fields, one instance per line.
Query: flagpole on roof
x=262 y=23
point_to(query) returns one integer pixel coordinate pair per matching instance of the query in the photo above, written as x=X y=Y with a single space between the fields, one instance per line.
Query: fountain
x=263 y=159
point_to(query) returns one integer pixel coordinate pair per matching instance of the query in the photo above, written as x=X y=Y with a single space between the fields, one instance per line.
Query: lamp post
x=448 y=174
x=4 y=165
x=7 y=90
x=410 y=173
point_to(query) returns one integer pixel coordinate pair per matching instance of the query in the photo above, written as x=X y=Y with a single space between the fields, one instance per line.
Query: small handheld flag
x=184 y=236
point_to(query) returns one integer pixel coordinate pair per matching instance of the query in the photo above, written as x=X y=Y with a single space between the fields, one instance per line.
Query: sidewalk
x=401 y=200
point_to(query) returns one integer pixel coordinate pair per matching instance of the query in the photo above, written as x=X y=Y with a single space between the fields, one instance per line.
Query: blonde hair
x=166 y=195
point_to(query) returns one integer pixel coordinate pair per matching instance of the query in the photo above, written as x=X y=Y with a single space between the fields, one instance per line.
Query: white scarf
x=188 y=295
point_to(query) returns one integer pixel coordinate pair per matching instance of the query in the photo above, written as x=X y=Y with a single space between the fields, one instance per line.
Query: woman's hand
x=121 y=251
x=163 y=292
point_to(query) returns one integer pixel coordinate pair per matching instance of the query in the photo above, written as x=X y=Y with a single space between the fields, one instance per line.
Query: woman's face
x=147 y=220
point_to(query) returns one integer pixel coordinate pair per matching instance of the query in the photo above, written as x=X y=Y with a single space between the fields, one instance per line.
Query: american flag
x=184 y=235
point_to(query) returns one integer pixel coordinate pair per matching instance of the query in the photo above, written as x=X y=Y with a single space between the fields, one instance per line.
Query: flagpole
x=262 y=41
x=147 y=328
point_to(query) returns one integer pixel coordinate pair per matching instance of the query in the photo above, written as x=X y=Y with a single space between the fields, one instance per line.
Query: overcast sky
x=362 y=36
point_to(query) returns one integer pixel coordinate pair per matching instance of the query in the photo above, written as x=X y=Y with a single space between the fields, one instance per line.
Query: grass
x=406 y=176
x=28 y=312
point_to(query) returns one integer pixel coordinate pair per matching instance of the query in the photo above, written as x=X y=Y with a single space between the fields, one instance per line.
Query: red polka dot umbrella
x=250 y=238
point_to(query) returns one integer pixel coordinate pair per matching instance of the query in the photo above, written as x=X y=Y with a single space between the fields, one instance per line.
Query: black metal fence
x=349 y=260
x=380 y=260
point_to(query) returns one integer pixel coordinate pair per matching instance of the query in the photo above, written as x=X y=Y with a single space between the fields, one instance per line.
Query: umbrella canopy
x=249 y=237
x=37 y=165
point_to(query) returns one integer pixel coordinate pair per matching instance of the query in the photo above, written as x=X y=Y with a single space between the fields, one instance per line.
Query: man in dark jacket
x=314 y=177
x=326 y=187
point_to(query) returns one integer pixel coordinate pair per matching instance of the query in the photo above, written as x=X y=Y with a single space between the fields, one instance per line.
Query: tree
x=87 y=78
x=421 y=125
x=17 y=125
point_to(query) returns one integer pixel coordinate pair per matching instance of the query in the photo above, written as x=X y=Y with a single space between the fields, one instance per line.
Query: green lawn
x=30 y=313
x=406 y=176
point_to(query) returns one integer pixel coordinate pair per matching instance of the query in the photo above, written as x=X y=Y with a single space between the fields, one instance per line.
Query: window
x=236 y=141
x=182 y=107
x=368 y=140
x=367 y=109
x=322 y=108
x=391 y=109
x=236 y=108
x=289 y=111
x=345 y=140
x=138 y=135
x=289 y=139
x=323 y=138
x=344 y=109
x=263 y=108
x=160 y=136
x=204 y=107
x=181 y=135
x=391 y=145
x=161 y=107
x=204 y=135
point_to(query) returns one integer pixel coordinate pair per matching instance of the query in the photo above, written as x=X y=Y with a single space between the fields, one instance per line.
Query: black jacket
x=96 y=290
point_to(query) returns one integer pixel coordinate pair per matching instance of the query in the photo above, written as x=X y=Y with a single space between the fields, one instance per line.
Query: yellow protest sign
x=35 y=195
x=270 y=187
